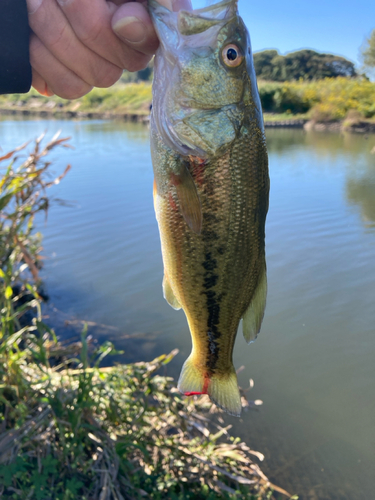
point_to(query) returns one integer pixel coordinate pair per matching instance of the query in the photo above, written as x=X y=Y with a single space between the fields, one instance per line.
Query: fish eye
x=232 y=56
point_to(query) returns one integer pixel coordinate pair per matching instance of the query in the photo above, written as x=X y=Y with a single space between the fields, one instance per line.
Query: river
x=313 y=363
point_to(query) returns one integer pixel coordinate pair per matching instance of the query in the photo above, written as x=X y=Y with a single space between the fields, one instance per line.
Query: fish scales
x=211 y=204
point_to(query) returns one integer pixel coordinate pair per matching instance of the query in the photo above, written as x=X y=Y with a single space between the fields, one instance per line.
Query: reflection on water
x=360 y=192
x=313 y=363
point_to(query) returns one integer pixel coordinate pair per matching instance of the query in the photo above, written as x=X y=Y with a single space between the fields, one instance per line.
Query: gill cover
x=197 y=101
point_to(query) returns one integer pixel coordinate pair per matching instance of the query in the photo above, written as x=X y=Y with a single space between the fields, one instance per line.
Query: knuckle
x=60 y=37
x=106 y=76
x=137 y=63
x=112 y=79
x=91 y=34
x=74 y=90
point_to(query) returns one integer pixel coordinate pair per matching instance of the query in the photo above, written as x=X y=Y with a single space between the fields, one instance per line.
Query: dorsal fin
x=191 y=24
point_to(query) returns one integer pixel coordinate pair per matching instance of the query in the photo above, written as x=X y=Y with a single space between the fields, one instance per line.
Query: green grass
x=320 y=100
x=279 y=117
x=130 y=98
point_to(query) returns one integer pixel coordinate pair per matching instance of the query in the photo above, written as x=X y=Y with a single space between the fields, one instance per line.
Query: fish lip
x=215 y=6
x=155 y=5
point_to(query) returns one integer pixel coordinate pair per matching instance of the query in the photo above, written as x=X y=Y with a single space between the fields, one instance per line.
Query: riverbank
x=273 y=121
x=332 y=104
x=130 y=102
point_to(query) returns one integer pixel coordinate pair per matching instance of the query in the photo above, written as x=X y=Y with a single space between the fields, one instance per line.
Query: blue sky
x=333 y=26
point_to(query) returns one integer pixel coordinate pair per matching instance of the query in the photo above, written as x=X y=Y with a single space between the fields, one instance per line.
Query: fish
x=211 y=187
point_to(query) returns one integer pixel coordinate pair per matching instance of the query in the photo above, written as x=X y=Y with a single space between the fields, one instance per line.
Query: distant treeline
x=270 y=65
x=303 y=64
x=144 y=75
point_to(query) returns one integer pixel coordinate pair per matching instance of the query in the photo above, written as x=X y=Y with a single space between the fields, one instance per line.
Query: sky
x=332 y=26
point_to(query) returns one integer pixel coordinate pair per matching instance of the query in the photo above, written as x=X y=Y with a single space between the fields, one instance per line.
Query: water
x=313 y=364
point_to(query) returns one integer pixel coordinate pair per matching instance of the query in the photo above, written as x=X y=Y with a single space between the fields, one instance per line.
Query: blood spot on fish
x=197 y=166
x=175 y=179
x=172 y=203
x=204 y=388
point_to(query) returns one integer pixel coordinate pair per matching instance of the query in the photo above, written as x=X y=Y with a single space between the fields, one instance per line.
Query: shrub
x=328 y=99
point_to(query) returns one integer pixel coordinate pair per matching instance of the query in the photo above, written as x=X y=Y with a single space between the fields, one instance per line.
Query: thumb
x=132 y=24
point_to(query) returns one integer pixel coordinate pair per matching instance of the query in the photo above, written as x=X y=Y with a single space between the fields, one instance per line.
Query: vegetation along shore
x=73 y=425
x=330 y=103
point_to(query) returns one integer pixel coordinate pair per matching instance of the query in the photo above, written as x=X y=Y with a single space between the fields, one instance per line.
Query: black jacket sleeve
x=15 y=69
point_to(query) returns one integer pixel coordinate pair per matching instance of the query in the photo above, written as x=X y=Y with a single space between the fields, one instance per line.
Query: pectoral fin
x=253 y=317
x=188 y=198
x=169 y=295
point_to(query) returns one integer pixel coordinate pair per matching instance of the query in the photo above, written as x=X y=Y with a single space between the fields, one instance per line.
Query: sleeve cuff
x=15 y=69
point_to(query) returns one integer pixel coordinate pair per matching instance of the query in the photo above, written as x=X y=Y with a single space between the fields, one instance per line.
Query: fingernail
x=33 y=5
x=131 y=29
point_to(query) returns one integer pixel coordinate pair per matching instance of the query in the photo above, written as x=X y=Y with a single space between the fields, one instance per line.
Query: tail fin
x=222 y=388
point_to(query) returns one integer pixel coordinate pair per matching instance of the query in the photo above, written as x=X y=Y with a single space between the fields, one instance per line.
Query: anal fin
x=169 y=295
x=188 y=198
x=253 y=317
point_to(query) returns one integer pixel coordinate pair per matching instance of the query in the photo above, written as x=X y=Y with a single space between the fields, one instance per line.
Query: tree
x=305 y=64
x=368 y=52
x=263 y=63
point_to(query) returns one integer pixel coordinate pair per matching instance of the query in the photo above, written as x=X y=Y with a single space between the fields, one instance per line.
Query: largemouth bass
x=211 y=187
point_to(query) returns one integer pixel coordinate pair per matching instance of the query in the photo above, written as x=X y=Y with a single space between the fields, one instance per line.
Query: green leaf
x=49 y=465
x=4 y=200
x=12 y=471
x=73 y=486
x=42 y=327
x=8 y=292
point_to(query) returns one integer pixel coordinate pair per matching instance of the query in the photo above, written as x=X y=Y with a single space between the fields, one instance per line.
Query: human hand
x=79 y=44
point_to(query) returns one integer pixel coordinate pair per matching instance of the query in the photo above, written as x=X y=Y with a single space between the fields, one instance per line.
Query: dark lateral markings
x=210 y=280
x=209 y=264
x=213 y=308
